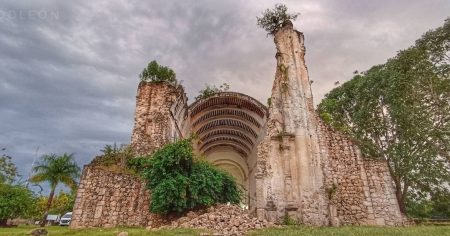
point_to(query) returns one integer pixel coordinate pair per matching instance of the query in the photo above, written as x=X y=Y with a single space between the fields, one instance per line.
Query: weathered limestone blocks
x=382 y=192
x=109 y=199
x=160 y=115
x=221 y=220
x=360 y=190
x=290 y=177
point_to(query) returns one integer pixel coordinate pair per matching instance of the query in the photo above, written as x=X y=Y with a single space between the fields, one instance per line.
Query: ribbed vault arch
x=225 y=123
x=229 y=127
x=228 y=118
x=226 y=112
x=228 y=132
x=222 y=140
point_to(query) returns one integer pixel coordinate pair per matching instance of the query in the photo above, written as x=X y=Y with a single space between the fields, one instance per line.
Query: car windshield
x=67 y=216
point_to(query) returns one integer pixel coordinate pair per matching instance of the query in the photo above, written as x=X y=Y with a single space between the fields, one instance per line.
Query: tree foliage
x=56 y=169
x=210 y=90
x=15 y=201
x=179 y=183
x=436 y=207
x=8 y=171
x=400 y=111
x=62 y=203
x=273 y=19
x=155 y=73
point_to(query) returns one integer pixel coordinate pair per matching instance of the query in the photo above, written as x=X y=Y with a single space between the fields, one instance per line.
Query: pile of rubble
x=220 y=220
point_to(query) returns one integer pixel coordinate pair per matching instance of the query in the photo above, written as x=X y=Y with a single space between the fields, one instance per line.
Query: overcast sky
x=69 y=69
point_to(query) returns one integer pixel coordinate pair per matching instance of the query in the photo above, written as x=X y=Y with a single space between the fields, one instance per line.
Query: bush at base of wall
x=180 y=182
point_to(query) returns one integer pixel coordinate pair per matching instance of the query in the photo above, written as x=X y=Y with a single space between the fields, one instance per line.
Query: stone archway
x=229 y=127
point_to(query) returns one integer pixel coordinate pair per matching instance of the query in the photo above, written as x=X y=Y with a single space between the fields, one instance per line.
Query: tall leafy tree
x=55 y=169
x=8 y=171
x=400 y=111
x=15 y=201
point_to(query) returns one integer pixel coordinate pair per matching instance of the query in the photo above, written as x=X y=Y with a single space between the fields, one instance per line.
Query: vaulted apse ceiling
x=227 y=119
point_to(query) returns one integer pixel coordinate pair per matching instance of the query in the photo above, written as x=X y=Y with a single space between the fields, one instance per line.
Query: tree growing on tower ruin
x=273 y=19
x=155 y=73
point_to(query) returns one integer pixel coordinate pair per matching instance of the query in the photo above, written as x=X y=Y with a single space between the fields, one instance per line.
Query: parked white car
x=65 y=219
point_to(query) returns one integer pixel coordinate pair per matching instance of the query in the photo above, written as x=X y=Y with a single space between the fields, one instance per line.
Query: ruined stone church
x=285 y=158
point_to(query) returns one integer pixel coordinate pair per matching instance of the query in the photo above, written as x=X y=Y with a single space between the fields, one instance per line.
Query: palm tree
x=55 y=169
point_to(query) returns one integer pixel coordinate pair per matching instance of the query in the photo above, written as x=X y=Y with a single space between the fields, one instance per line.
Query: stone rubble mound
x=220 y=220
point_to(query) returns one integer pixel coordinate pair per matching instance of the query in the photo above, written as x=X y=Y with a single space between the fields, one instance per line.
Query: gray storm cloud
x=69 y=68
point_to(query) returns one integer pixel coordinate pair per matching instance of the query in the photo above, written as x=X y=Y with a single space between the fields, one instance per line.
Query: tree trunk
x=398 y=189
x=3 y=222
x=49 y=204
x=399 y=195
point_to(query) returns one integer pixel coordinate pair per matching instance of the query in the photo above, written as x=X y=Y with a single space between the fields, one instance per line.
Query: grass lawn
x=292 y=230
x=63 y=231
x=357 y=231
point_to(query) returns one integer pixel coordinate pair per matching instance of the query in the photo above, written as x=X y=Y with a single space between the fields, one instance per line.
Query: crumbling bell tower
x=290 y=177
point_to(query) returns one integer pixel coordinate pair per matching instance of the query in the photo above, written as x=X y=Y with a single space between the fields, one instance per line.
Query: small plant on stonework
x=113 y=155
x=284 y=77
x=210 y=90
x=155 y=73
x=269 y=102
x=281 y=134
x=274 y=19
x=287 y=220
x=331 y=191
x=178 y=183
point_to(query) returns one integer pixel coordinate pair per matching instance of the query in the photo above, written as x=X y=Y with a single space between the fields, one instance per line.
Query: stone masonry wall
x=360 y=190
x=154 y=123
x=382 y=193
x=108 y=199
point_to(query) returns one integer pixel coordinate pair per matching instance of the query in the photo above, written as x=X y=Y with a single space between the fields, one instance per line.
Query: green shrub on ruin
x=274 y=19
x=211 y=90
x=210 y=185
x=180 y=182
x=155 y=73
x=113 y=155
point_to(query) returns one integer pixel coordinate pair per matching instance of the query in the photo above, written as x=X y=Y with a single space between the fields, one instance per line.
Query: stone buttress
x=305 y=170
